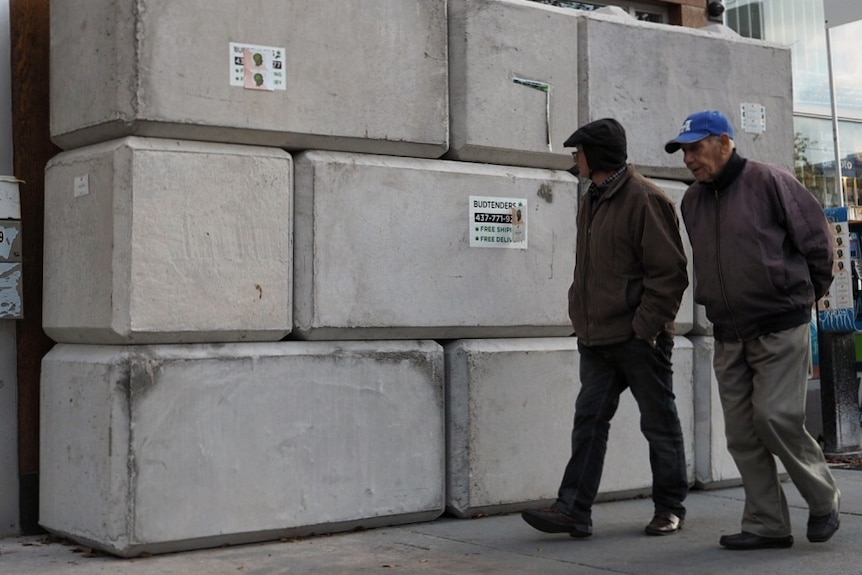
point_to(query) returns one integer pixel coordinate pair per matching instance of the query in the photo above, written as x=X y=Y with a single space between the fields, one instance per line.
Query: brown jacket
x=630 y=267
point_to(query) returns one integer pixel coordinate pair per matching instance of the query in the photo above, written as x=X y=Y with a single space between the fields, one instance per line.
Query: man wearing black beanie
x=630 y=274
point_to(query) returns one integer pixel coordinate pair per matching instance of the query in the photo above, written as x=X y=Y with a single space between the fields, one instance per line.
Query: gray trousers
x=762 y=384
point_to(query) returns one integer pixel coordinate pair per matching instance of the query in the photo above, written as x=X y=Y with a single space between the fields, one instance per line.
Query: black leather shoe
x=664 y=523
x=746 y=540
x=552 y=521
x=822 y=527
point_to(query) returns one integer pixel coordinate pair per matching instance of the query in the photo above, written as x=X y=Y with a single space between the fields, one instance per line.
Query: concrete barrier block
x=702 y=325
x=153 y=449
x=510 y=406
x=167 y=241
x=513 y=86
x=323 y=74
x=391 y=248
x=713 y=464
x=657 y=82
x=685 y=318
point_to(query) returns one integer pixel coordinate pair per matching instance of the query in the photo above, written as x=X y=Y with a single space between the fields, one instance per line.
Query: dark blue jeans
x=606 y=371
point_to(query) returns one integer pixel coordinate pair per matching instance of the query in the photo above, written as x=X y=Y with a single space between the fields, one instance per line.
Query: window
x=746 y=19
x=799 y=24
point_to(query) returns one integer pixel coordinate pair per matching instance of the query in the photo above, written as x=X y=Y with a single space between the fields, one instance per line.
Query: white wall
x=8 y=367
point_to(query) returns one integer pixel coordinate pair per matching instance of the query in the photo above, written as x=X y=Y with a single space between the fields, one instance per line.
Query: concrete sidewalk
x=498 y=545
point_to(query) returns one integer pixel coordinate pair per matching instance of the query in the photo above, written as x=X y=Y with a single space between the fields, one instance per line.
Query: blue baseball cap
x=698 y=126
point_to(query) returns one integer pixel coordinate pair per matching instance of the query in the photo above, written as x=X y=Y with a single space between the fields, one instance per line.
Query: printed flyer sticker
x=257 y=67
x=836 y=308
x=498 y=222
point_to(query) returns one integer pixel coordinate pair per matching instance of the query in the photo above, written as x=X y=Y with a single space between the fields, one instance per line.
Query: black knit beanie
x=603 y=142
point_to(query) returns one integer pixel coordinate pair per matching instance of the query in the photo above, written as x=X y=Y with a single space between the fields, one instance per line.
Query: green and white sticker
x=498 y=222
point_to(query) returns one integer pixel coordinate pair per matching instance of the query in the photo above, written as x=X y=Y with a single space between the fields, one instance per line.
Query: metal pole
x=838 y=185
x=839 y=389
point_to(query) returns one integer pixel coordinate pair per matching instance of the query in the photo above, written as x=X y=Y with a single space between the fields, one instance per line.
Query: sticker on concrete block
x=257 y=67
x=753 y=118
x=10 y=291
x=498 y=222
x=10 y=201
x=10 y=241
x=82 y=185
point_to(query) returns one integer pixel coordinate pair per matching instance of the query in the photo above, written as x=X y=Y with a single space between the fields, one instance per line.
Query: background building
x=800 y=25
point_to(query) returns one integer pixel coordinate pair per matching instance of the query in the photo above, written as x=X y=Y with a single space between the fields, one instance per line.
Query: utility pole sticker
x=257 y=67
x=498 y=222
x=836 y=309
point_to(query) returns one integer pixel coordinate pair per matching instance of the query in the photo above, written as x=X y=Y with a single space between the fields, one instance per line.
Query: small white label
x=10 y=202
x=753 y=118
x=82 y=185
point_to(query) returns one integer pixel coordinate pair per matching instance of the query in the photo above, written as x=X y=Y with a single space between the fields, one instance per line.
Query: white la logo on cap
x=686 y=127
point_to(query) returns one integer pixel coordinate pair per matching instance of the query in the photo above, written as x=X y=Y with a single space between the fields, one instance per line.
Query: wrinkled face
x=581 y=160
x=706 y=158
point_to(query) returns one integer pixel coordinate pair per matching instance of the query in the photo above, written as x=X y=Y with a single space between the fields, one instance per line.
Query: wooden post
x=689 y=13
x=32 y=148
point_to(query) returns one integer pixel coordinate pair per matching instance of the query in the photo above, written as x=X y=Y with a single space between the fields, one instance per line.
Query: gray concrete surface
x=662 y=73
x=168 y=241
x=513 y=82
x=686 y=319
x=385 y=249
x=497 y=545
x=509 y=420
x=357 y=76
x=168 y=448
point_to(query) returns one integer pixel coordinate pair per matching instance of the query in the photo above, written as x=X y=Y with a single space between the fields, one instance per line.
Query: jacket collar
x=616 y=181
x=729 y=174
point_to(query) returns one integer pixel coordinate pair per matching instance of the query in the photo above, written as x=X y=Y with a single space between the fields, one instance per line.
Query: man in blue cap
x=630 y=274
x=762 y=254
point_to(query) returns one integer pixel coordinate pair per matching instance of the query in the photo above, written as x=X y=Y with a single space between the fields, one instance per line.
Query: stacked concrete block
x=702 y=325
x=164 y=228
x=714 y=466
x=333 y=74
x=510 y=405
x=686 y=316
x=150 y=449
x=387 y=248
x=513 y=82
x=167 y=241
x=651 y=76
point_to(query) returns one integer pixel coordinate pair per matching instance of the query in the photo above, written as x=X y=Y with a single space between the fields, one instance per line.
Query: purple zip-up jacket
x=762 y=249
